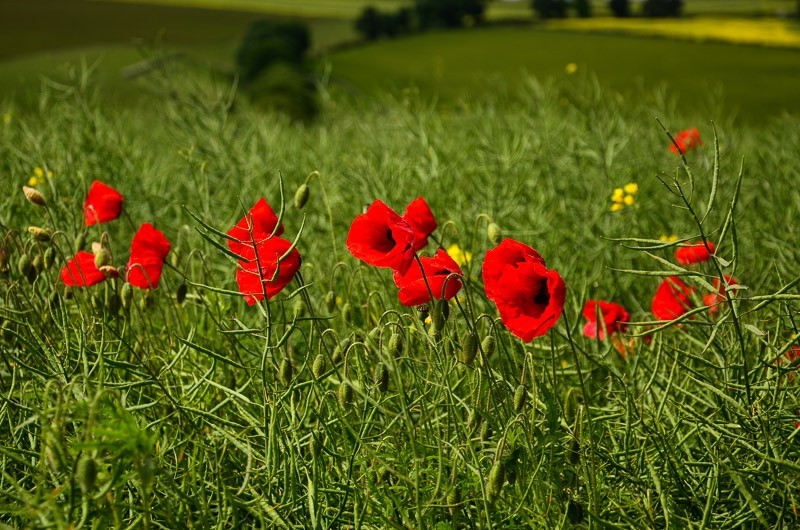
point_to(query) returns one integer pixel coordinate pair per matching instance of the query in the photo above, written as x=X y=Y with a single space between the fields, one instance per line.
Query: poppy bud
x=34 y=196
x=396 y=345
x=340 y=350
x=469 y=349
x=473 y=420
x=97 y=302
x=454 y=500
x=25 y=267
x=87 y=474
x=285 y=372
x=314 y=445
x=80 y=242
x=102 y=257
x=571 y=405
x=345 y=394
x=318 y=367
x=439 y=315
x=49 y=258
x=347 y=313
x=113 y=303
x=494 y=233
x=40 y=234
x=497 y=476
x=486 y=432
x=38 y=263
x=126 y=295
x=301 y=196
x=53 y=301
x=574 y=512
x=180 y=293
x=330 y=301
x=488 y=345
x=382 y=378
x=520 y=395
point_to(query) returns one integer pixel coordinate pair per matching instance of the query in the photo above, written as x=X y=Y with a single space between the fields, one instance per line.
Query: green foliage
x=449 y=13
x=372 y=24
x=662 y=8
x=286 y=88
x=267 y=42
x=583 y=8
x=368 y=23
x=550 y=8
x=620 y=8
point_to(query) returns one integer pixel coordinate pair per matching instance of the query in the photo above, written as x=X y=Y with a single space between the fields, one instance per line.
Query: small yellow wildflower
x=6 y=118
x=617 y=207
x=461 y=257
x=39 y=172
x=631 y=188
x=564 y=363
x=618 y=195
x=668 y=239
x=33 y=181
x=629 y=200
x=571 y=68
x=428 y=319
x=624 y=196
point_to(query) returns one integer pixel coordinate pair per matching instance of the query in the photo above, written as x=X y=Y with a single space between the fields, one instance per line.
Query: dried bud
x=110 y=271
x=520 y=395
x=396 y=345
x=330 y=301
x=87 y=474
x=494 y=233
x=102 y=257
x=49 y=258
x=180 y=293
x=34 y=196
x=286 y=372
x=301 y=196
x=488 y=345
x=382 y=378
x=318 y=367
x=40 y=234
x=497 y=476
x=469 y=349
x=345 y=394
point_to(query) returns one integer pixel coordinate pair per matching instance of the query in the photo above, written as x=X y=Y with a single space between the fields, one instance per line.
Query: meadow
x=334 y=405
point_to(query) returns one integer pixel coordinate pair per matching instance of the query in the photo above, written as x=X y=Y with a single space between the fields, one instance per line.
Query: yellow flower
x=631 y=188
x=39 y=172
x=618 y=195
x=629 y=200
x=571 y=68
x=33 y=182
x=459 y=256
x=6 y=118
x=617 y=207
x=668 y=239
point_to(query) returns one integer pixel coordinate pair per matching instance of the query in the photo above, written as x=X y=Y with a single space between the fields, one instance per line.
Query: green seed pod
x=494 y=484
x=486 y=432
x=102 y=257
x=49 y=258
x=396 y=345
x=520 y=396
x=439 y=315
x=38 y=263
x=80 y=242
x=494 y=233
x=382 y=378
x=126 y=295
x=180 y=294
x=345 y=394
x=488 y=345
x=340 y=351
x=40 y=234
x=330 y=301
x=469 y=349
x=347 y=313
x=454 y=500
x=318 y=367
x=285 y=372
x=87 y=474
x=301 y=196
x=24 y=266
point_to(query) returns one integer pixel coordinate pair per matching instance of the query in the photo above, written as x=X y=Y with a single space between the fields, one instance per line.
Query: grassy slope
x=452 y=64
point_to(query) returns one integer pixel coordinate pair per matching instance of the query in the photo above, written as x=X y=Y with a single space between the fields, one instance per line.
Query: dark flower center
x=543 y=295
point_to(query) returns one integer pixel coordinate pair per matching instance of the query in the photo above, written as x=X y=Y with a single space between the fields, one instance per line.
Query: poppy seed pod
x=494 y=233
x=40 y=234
x=34 y=196
x=497 y=476
x=301 y=196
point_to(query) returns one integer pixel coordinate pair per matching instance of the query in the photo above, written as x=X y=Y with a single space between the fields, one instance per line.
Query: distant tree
x=662 y=8
x=550 y=8
x=583 y=8
x=267 y=42
x=448 y=13
x=620 y=8
x=368 y=23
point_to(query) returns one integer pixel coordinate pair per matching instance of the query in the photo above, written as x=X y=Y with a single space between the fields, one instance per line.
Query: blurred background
x=741 y=57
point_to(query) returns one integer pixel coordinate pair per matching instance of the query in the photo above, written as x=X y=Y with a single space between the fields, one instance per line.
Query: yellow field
x=765 y=32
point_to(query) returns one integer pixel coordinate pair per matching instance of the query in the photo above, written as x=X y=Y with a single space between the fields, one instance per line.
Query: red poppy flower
x=438 y=272
x=672 y=299
x=149 y=249
x=382 y=238
x=255 y=273
x=261 y=219
x=687 y=140
x=528 y=295
x=81 y=271
x=420 y=217
x=718 y=297
x=615 y=318
x=103 y=203
x=696 y=253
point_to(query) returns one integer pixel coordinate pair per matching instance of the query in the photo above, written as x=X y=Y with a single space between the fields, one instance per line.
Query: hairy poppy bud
x=340 y=350
x=497 y=476
x=40 y=234
x=469 y=349
x=38 y=263
x=439 y=315
x=454 y=500
x=486 y=432
x=488 y=345
x=382 y=378
x=345 y=394
x=80 y=242
x=301 y=196
x=315 y=445
x=180 y=293
x=102 y=257
x=25 y=267
x=113 y=303
x=520 y=395
x=347 y=312
x=494 y=233
x=285 y=372
x=34 y=196
x=87 y=473
x=396 y=345
x=49 y=258
x=126 y=295
x=318 y=367
x=330 y=301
